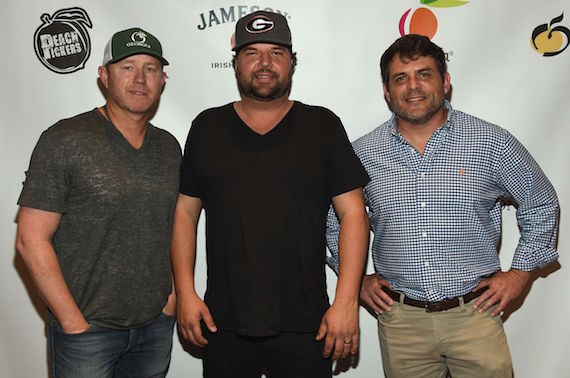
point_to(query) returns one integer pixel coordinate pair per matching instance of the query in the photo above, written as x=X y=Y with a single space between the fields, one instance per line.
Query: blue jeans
x=104 y=352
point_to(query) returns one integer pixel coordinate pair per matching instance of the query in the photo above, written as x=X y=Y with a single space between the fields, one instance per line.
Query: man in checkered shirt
x=438 y=181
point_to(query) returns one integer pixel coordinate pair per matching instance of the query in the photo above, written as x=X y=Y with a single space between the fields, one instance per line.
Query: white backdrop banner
x=508 y=62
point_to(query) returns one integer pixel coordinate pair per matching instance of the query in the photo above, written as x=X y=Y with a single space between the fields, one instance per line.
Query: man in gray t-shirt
x=95 y=223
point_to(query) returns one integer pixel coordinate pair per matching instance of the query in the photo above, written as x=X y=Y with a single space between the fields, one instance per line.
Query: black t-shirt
x=266 y=199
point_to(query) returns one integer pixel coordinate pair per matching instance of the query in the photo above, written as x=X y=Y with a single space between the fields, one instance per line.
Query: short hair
x=411 y=46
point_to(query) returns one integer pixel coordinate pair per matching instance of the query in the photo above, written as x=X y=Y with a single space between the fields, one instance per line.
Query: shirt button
x=426 y=263
x=424 y=234
x=422 y=175
x=412 y=150
x=423 y=204
x=430 y=291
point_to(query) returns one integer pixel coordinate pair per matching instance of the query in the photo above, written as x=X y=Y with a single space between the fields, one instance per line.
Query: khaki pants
x=461 y=341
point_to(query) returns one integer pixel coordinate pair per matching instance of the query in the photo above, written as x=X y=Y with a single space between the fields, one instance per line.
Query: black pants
x=287 y=355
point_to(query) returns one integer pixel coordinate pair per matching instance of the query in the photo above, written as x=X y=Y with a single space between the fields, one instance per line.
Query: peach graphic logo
x=62 y=41
x=548 y=40
x=422 y=20
x=443 y=3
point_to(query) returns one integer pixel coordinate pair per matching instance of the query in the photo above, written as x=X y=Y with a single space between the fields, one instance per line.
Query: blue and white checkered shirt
x=436 y=218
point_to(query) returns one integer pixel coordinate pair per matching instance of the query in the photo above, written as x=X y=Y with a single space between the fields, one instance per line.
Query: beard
x=248 y=87
x=421 y=116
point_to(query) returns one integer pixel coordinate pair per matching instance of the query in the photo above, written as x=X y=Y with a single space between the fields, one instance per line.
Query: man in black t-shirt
x=266 y=170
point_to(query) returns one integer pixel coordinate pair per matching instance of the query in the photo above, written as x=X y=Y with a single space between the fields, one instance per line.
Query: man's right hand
x=189 y=314
x=74 y=327
x=372 y=296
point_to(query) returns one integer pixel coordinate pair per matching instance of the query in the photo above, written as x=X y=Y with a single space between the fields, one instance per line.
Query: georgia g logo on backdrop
x=62 y=42
x=259 y=24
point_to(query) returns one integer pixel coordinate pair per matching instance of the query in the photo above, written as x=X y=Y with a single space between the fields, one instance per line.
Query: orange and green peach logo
x=422 y=20
x=548 y=40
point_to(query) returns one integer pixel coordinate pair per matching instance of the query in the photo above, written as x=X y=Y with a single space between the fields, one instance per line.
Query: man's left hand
x=502 y=288
x=170 y=307
x=340 y=327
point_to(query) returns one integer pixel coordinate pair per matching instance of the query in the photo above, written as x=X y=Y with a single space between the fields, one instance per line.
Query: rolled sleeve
x=537 y=207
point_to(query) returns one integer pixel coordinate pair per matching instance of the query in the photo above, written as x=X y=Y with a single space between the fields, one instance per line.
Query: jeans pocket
x=90 y=328
x=167 y=315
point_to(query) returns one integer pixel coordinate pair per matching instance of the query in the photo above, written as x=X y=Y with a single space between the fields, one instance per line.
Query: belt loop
x=461 y=301
x=402 y=297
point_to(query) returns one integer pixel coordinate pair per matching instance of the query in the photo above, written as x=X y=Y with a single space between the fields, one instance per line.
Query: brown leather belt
x=434 y=306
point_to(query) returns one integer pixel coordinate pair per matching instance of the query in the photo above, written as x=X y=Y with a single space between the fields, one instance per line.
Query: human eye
x=398 y=79
x=151 y=69
x=424 y=74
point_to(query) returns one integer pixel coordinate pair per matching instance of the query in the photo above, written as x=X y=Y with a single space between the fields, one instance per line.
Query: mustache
x=415 y=92
x=265 y=71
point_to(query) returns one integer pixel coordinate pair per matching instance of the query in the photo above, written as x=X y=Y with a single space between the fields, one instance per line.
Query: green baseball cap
x=132 y=42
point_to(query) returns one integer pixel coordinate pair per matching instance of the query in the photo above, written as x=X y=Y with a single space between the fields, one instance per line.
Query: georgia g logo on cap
x=138 y=39
x=139 y=36
x=259 y=24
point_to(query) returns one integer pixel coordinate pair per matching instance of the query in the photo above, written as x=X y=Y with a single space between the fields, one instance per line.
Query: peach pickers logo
x=548 y=40
x=62 y=42
x=422 y=20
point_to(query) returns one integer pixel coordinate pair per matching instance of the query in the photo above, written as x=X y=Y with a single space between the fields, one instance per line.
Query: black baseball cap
x=261 y=27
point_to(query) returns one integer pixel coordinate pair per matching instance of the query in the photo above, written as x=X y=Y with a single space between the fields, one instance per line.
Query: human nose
x=265 y=59
x=413 y=82
x=140 y=76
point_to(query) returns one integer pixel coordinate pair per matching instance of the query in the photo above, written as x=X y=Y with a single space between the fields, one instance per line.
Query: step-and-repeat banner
x=509 y=64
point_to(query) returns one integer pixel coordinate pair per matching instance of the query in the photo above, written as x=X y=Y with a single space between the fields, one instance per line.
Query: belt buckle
x=433 y=306
x=442 y=306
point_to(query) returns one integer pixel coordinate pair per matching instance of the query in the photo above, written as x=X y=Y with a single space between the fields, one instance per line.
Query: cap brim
x=162 y=60
x=279 y=43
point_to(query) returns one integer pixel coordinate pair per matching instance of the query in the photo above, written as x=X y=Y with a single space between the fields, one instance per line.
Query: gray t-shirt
x=117 y=205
